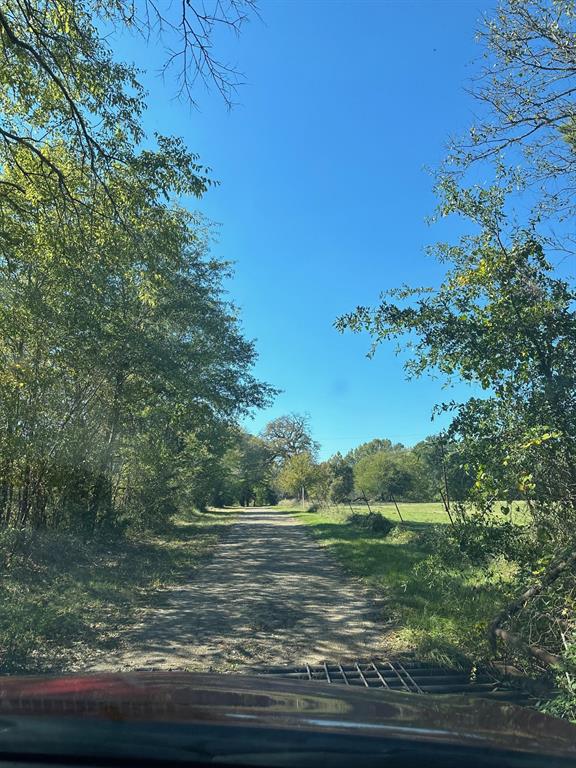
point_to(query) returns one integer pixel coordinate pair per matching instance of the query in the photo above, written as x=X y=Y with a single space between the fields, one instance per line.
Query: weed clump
x=373 y=522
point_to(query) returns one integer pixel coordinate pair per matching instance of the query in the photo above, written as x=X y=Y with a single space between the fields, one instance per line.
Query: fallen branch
x=550 y=659
x=494 y=631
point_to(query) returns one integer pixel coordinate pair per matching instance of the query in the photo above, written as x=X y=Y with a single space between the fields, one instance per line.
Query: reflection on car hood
x=232 y=701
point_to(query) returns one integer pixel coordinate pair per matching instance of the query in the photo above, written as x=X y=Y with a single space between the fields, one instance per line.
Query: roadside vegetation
x=441 y=610
x=503 y=319
x=123 y=367
x=65 y=601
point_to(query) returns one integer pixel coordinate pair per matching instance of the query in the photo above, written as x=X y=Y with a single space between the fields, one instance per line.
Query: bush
x=563 y=704
x=34 y=550
x=288 y=503
x=479 y=541
x=405 y=536
x=373 y=521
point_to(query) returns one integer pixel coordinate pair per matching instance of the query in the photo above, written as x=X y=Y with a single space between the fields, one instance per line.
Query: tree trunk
x=445 y=478
x=100 y=508
x=24 y=504
x=446 y=507
x=5 y=498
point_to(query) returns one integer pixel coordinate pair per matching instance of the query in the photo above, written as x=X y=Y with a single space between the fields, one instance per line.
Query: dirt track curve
x=270 y=595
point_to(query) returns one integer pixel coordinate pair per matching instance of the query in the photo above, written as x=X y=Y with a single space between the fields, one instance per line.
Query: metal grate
x=408 y=676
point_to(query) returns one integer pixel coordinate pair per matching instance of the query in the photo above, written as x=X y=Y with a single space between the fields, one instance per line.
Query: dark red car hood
x=120 y=703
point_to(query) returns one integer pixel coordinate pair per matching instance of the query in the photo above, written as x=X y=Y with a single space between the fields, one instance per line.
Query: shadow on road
x=269 y=595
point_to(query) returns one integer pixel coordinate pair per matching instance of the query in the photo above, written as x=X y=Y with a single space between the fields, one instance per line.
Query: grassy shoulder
x=64 y=602
x=440 y=612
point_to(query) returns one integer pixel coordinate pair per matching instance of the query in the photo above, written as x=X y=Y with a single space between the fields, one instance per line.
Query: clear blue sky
x=323 y=191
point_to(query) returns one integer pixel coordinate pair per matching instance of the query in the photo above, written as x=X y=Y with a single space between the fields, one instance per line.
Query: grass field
x=411 y=513
x=440 y=612
x=63 y=601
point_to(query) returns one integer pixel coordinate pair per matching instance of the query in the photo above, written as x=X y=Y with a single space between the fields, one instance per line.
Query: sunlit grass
x=440 y=612
x=411 y=513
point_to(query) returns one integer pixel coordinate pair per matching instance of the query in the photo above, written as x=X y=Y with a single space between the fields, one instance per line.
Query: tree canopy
x=525 y=114
x=60 y=82
x=289 y=435
x=124 y=369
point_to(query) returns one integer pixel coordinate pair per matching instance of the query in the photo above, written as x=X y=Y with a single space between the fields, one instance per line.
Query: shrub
x=564 y=703
x=289 y=503
x=373 y=521
x=402 y=535
x=479 y=541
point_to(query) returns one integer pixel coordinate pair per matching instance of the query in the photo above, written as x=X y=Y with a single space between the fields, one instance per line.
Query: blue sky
x=324 y=192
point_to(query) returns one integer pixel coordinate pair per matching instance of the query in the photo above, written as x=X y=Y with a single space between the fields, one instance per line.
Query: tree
x=444 y=474
x=371 y=447
x=385 y=476
x=503 y=320
x=123 y=369
x=96 y=382
x=298 y=475
x=341 y=479
x=288 y=436
x=500 y=319
x=247 y=471
x=527 y=94
x=60 y=82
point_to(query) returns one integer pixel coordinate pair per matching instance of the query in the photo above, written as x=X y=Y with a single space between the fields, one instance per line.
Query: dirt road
x=270 y=595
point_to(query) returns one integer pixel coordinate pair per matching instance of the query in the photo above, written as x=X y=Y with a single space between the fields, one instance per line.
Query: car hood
x=126 y=704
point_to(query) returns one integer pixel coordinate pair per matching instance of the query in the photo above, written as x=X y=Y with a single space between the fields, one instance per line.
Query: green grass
x=411 y=513
x=64 y=602
x=440 y=612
